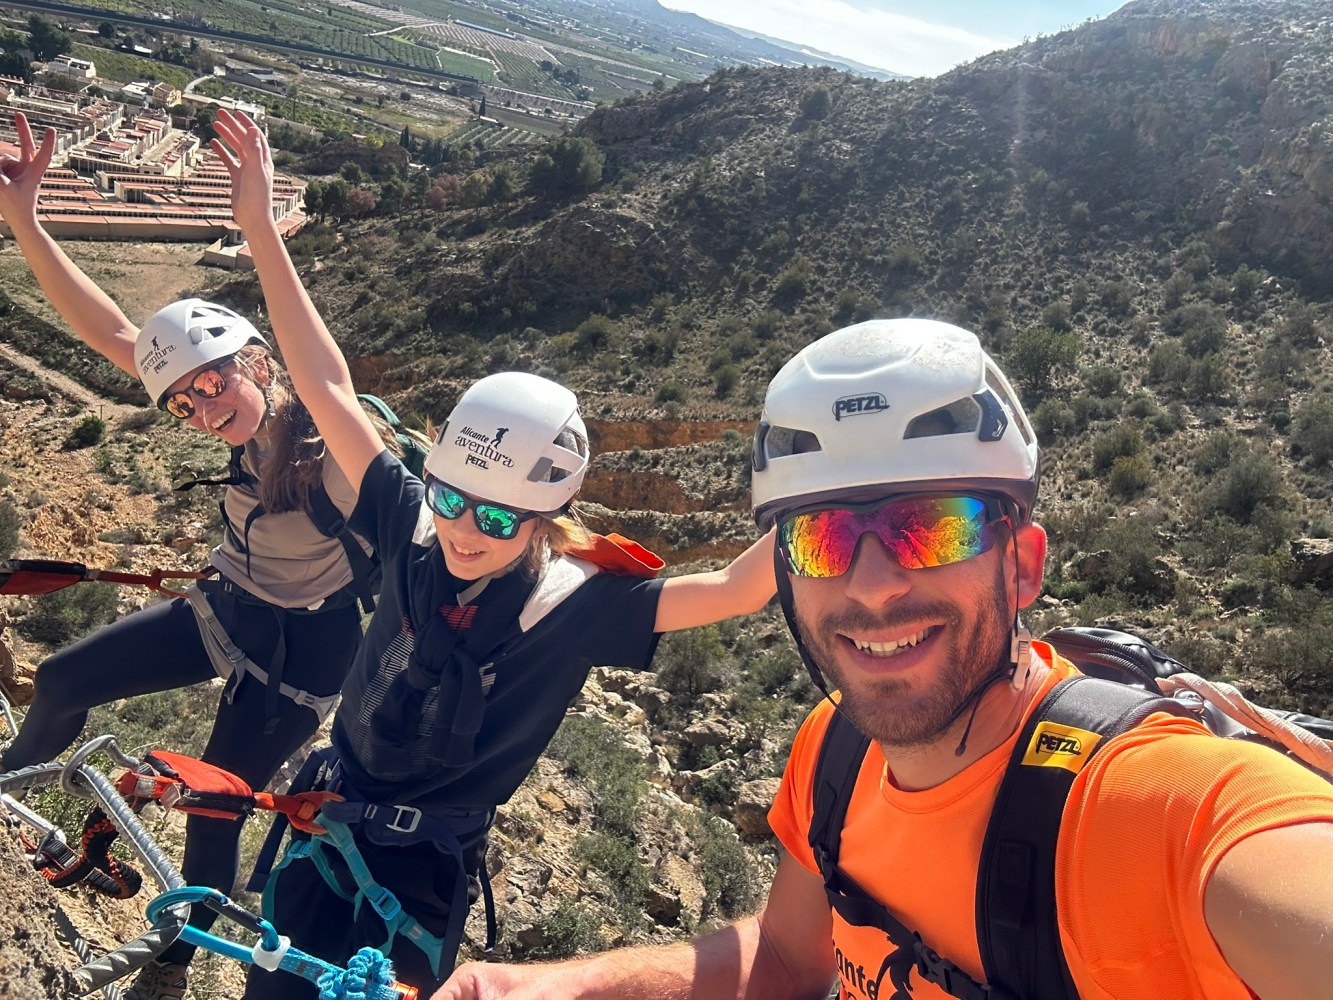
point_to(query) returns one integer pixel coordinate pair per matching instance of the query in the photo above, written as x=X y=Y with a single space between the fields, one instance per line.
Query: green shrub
x=1103 y=380
x=669 y=392
x=1038 y=355
x=1202 y=328
x=1054 y=419
x=61 y=617
x=591 y=752
x=1251 y=481
x=690 y=663
x=725 y=379
x=792 y=282
x=86 y=433
x=1312 y=431
x=729 y=879
x=1301 y=328
x=1244 y=283
x=617 y=859
x=1123 y=441
x=572 y=929
x=1117 y=298
x=1168 y=365
x=595 y=334
x=1129 y=476
x=815 y=103
x=1057 y=316
x=11 y=519
x=567 y=165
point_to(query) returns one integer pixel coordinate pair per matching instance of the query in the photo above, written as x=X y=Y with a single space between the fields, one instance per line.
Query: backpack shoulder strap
x=836 y=770
x=1017 y=929
x=325 y=516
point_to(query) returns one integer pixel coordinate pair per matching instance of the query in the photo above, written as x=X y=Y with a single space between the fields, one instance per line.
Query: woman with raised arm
x=284 y=593
x=486 y=630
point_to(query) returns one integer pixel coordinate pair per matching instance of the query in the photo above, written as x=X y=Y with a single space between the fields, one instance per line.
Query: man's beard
x=894 y=711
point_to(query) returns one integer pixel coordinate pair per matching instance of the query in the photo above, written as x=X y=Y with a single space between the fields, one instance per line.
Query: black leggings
x=158 y=649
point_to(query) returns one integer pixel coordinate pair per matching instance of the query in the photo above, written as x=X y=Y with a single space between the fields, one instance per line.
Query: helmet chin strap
x=1018 y=668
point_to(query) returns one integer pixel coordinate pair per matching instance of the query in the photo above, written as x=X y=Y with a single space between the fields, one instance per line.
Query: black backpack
x=1015 y=903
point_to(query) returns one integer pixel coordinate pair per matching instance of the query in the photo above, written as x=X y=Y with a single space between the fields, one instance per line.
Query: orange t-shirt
x=1147 y=820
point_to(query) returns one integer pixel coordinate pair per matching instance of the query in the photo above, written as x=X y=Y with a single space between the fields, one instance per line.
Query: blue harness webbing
x=451 y=831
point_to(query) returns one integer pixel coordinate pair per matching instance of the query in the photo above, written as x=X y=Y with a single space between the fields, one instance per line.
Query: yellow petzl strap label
x=1054 y=745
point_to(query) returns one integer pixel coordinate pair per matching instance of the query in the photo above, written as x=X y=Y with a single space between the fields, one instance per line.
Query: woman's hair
x=295 y=464
x=554 y=536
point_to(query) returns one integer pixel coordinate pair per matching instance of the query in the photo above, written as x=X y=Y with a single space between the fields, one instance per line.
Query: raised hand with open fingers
x=244 y=151
x=21 y=176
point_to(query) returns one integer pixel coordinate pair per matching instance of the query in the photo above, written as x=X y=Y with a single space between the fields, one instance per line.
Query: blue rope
x=368 y=976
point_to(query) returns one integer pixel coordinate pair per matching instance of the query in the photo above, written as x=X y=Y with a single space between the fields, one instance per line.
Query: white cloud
x=878 y=38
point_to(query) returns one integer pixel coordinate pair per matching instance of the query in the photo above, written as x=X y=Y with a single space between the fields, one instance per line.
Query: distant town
x=130 y=169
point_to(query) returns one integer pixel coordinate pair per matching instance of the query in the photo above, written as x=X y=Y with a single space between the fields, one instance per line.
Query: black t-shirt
x=575 y=618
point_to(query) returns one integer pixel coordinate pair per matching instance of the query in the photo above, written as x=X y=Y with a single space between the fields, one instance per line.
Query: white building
x=72 y=66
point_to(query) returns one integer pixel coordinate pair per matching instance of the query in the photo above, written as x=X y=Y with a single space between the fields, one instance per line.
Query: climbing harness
x=229 y=660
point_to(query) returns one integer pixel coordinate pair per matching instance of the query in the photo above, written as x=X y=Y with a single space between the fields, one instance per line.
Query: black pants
x=321 y=923
x=158 y=649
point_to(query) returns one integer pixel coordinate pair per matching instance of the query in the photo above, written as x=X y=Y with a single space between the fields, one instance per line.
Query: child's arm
x=742 y=587
x=90 y=313
x=317 y=367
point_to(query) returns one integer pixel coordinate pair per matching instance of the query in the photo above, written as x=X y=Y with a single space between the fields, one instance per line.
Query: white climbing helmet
x=514 y=439
x=184 y=336
x=888 y=405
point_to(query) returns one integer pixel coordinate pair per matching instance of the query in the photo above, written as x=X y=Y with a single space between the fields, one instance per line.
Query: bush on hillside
x=689 y=663
x=11 y=519
x=86 y=433
x=65 y=615
x=1038 y=355
x=567 y=166
x=1312 y=431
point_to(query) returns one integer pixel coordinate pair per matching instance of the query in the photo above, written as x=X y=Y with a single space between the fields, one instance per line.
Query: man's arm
x=1269 y=906
x=784 y=953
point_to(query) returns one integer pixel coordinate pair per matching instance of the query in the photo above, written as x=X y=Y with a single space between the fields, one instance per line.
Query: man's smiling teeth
x=890 y=648
x=223 y=420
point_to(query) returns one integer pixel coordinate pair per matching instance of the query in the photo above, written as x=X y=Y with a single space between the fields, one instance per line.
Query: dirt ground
x=140 y=277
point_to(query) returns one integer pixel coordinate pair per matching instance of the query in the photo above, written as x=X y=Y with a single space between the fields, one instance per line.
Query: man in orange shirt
x=901 y=471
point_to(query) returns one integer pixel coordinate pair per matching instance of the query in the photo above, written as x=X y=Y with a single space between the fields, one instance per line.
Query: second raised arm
x=317 y=367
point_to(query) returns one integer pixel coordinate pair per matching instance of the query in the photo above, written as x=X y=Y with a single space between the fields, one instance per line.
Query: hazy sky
x=915 y=37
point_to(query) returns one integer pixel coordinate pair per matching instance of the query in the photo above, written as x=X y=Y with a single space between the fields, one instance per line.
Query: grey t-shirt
x=290 y=563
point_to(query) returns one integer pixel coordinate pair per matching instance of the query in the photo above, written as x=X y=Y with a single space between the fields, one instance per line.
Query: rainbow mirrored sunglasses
x=920 y=531
x=493 y=520
x=208 y=383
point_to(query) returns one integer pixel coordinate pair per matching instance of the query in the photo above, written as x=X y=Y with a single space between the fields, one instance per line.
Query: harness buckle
x=412 y=814
x=413 y=819
x=385 y=903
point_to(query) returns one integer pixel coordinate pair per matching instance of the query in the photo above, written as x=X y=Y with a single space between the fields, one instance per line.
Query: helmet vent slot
x=962 y=416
